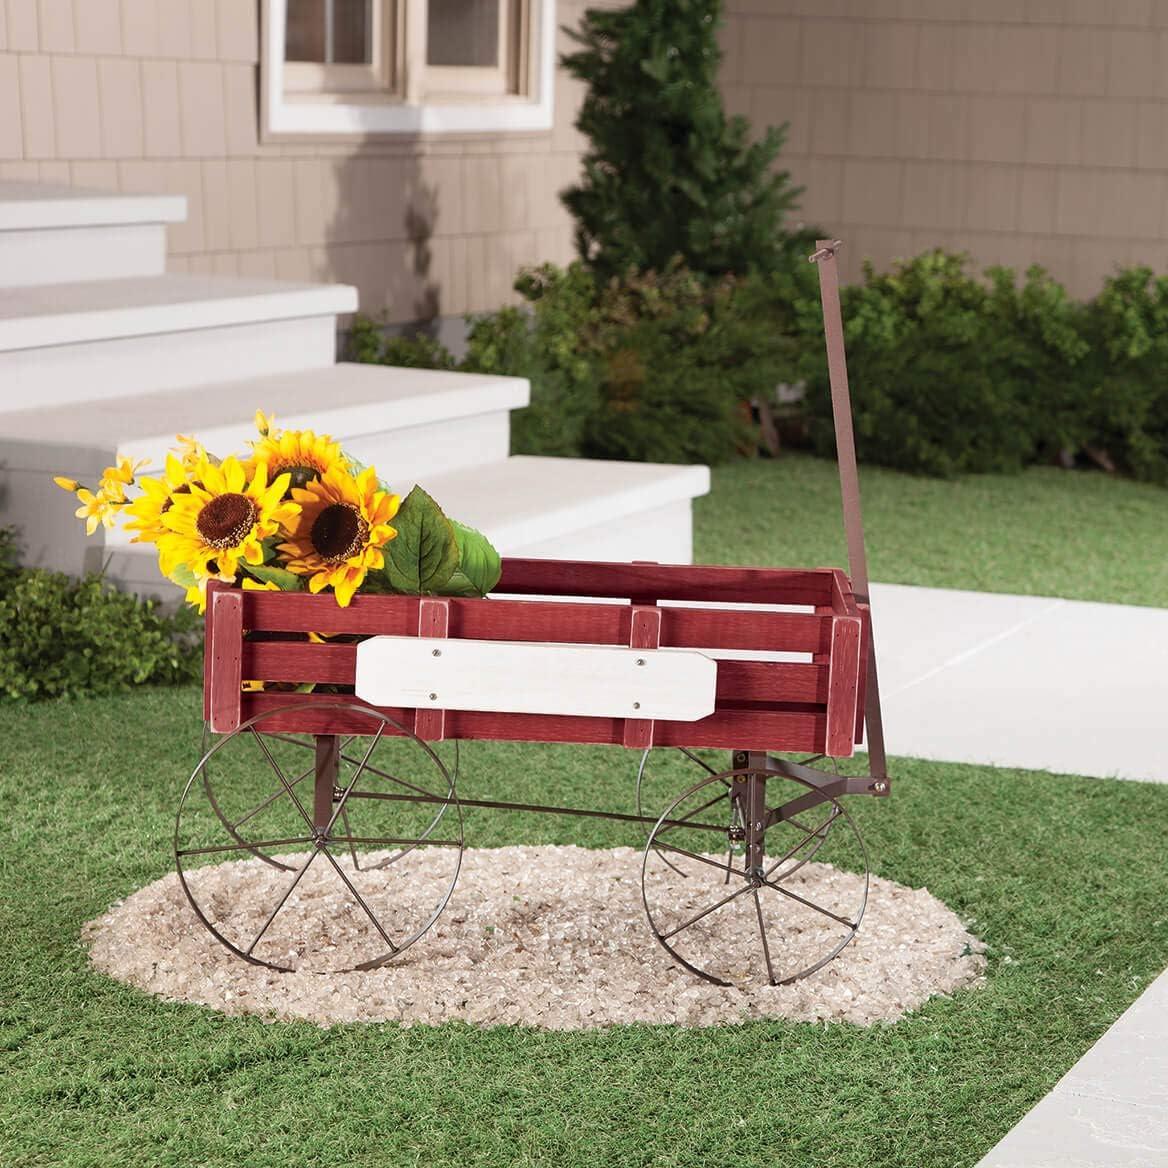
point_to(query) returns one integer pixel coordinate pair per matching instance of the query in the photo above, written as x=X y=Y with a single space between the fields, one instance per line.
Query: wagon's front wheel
x=729 y=886
x=335 y=857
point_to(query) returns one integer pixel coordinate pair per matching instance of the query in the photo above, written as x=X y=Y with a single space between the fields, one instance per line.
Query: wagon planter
x=334 y=732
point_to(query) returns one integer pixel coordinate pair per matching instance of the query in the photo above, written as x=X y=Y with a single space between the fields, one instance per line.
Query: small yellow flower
x=191 y=451
x=266 y=424
x=115 y=479
x=158 y=495
x=222 y=519
x=96 y=509
x=70 y=485
x=342 y=527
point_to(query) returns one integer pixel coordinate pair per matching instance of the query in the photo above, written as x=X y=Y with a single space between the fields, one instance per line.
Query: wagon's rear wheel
x=319 y=852
x=729 y=888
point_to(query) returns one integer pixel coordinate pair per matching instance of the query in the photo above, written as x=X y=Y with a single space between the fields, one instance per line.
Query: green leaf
x=283 y=579
x=423 y=556
x=183 y=576
x=479 y=566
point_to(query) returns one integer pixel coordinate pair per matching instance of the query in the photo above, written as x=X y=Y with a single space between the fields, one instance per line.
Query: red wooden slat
x=842 y=600
x=223 y=661
x=645 y=633
x=795 y=730
x=433 y=621
x=300 y=613
x=667 y=581
x=843 y=686
x=534 y=620
x=213 y=586
x=771 y=681
x=862 y=679
x=300 y=662
x=711 y=628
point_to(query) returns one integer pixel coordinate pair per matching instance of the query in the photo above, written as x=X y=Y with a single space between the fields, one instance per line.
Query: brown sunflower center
x=226 y=520
x=338 y=532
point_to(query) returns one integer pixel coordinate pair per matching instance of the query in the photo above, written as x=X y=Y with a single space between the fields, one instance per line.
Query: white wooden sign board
x=518 y=677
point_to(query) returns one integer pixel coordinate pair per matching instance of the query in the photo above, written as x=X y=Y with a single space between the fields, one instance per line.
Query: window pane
x=329 y=32
x=463 y=32
x=304 y=35
x=351 y=39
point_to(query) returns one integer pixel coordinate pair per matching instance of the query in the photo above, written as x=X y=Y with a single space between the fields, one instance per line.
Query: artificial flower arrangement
x=295 y=513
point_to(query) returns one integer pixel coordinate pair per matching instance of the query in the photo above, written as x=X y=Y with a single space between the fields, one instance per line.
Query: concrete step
x=94 y=340
x=54 y=234
x=534 y=506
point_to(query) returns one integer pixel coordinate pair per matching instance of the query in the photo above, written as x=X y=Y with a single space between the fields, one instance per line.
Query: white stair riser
x=402 y=457
x=96 y=370
x=663 y=534
x=67 y=255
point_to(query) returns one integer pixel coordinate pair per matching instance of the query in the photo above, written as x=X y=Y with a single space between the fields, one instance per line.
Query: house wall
x=1023 y=131
x=160 y=95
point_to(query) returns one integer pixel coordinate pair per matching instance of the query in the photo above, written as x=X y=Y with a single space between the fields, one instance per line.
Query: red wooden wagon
x=674 y=661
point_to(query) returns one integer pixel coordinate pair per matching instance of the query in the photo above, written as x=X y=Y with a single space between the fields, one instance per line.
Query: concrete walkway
x=1023 y=681
x=1110 y=1110
x=1055 y=685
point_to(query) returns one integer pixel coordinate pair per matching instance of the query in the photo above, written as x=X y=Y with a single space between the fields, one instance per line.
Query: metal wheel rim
x=375 y=715
x=668 y=814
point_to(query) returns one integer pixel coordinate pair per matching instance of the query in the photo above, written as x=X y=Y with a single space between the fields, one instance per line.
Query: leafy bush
x=1125 y=394
x=666 y=172
x=61 y=636
x=948 y=374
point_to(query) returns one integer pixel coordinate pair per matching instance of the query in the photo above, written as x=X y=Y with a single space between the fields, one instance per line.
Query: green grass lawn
x=1045 y=532
x=1064 y=878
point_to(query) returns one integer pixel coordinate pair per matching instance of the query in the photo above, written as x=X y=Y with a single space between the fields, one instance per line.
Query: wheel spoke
x=269 y=800
x=283 y=779
x=700 y=761
x=811 y=904
x=352 y=845
x=766 y=949
x=353 y=782
x=245 y=847
x=805 y=840
x=400 y=782
x=283 y=900
x=727 y=868
x=359 y=899
x=705 y=912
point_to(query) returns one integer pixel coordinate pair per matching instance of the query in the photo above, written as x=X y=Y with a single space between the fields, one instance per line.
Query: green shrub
x=1125 y=395
x=948 y=374
x=666 y=173
x=369 y=343
x=60 y=636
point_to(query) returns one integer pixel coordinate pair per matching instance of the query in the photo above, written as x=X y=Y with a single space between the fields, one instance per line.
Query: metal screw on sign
x=437 y=653
x=433 y=697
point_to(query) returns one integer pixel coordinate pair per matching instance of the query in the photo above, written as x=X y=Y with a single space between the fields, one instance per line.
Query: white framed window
x=406 y=66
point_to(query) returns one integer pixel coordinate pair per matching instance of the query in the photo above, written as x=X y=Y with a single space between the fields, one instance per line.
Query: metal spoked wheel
x=243 y=830
x=344 y=871
x=728 y=883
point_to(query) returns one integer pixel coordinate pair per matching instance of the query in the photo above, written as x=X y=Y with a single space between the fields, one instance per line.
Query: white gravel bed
x=554 y=937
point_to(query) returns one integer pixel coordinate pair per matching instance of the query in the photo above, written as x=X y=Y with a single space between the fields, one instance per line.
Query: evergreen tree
x=667 y=173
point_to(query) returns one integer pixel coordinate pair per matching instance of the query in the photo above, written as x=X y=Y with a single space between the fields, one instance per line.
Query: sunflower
x=222 y=519
x=302 y=454
x=157 y=498
x=343 y=525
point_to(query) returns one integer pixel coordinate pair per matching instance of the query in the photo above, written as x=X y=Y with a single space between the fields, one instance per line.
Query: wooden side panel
x=843 y=686
x=772 y=682
x=645 y=633
x=296 y=612
x=865 y=650
x=223 y=667
x=711 y=628
x=433 y=621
